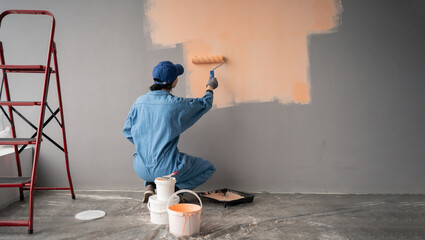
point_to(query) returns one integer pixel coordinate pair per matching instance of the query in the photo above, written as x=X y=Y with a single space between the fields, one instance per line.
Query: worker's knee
x=208 y=171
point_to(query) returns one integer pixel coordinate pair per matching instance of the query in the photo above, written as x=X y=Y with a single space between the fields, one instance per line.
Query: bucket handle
x=182 y=191
x=151 y=210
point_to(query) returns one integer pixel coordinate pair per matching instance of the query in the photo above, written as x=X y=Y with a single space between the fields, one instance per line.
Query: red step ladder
x=21 y=182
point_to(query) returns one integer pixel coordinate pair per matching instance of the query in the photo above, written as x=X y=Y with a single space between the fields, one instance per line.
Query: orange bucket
x=184 y=218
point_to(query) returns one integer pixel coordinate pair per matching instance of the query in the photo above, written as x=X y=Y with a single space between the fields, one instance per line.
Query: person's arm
x=197 y=107
x=128 y=124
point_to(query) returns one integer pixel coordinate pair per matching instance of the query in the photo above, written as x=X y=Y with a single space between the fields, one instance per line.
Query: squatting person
x=154 y=125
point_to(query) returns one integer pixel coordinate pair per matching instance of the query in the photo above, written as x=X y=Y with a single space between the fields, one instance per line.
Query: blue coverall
x=154 y=125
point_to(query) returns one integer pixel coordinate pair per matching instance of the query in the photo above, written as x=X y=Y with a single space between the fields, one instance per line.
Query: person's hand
x=213 y=83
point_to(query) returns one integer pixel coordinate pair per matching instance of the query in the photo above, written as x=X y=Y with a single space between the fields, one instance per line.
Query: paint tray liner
x=228 y=197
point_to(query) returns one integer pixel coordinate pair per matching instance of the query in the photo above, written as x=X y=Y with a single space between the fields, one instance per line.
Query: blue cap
x=166 y=72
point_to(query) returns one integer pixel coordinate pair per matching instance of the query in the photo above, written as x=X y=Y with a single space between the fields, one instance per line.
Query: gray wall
x=362 y=133
x=8 y=168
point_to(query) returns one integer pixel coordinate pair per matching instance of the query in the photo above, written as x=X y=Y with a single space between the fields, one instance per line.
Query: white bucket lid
x=167 y=181
x=90 y=215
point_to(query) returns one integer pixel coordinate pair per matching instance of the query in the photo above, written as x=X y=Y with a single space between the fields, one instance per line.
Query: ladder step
x=17 y=141
x=14 y=223
x=14 y=181
x=25 y=68
x=4 y=103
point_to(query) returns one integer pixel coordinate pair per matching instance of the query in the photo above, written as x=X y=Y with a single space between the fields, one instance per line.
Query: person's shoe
x=182 y=198
x=149 y=191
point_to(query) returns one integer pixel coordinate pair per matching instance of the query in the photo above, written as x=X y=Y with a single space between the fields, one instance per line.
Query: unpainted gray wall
x=362 y=133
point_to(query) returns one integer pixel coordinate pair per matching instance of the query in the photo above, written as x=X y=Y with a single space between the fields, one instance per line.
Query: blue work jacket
x=154 y=125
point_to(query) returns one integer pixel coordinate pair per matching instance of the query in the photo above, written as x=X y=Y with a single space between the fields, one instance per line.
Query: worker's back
x=156 y=121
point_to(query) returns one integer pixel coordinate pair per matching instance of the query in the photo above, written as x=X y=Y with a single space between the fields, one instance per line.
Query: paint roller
x=208 y=60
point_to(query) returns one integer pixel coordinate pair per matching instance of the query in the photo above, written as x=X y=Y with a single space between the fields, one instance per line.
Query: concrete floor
x=270 y=216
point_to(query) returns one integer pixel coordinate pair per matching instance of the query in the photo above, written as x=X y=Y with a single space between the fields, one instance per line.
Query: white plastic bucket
x=164 y=188
x=184 y=218
x=158 y=209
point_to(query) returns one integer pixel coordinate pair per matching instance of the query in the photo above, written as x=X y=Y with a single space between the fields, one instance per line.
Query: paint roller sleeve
x=207 y=59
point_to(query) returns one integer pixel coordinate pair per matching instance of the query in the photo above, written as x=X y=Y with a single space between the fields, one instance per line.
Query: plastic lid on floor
x=90 y=215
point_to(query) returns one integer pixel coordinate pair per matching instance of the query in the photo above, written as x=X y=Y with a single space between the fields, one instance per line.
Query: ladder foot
x=22 y=198
x=30 y=231
x=73 y=197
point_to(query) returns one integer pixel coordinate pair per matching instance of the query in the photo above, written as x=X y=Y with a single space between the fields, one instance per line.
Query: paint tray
x=228 y=197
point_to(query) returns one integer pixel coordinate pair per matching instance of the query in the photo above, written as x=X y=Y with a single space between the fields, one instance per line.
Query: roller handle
x=211 y=74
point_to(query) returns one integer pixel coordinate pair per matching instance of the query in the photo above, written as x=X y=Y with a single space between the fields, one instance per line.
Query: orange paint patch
x=264 y=44
x=300 y=92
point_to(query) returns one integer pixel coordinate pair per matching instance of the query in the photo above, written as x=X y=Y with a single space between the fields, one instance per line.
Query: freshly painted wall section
x=265 y=44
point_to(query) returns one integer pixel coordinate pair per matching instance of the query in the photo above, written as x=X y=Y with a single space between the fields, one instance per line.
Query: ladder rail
x=37 y=145
x=65 y=146
x=40 y=124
